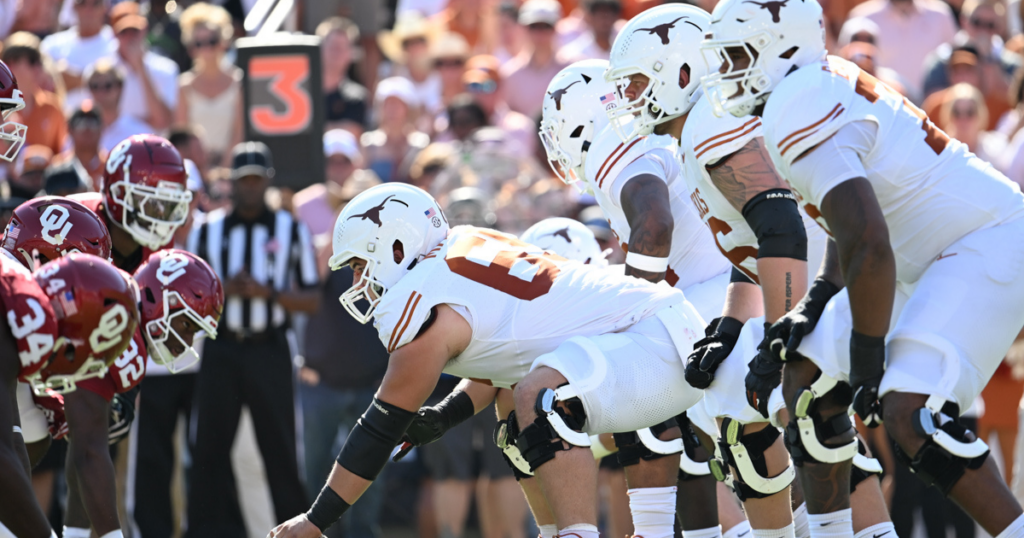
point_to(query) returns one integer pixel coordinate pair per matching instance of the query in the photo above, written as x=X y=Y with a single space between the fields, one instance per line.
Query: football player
x=568 y=238
x=65 y=325
x=587 y=351
x=926 y=242
x=12 y=134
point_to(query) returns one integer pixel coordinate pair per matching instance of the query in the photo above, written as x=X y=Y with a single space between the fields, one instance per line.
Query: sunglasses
x=983 y=24
x=540 y=27
x=102 y=86
x=965 y=112
x=487 y=87
x=202 y=44
x=414 y=41
x=449 y=63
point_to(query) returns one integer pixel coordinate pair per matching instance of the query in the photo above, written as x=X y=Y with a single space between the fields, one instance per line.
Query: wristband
x=456 y=408
x=327 y=509
x=646 y=263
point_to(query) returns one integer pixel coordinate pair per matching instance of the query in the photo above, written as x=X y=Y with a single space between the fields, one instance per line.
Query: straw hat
x=449 y=45
x=409 y=25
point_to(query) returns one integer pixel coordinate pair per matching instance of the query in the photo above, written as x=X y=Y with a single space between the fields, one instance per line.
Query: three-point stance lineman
x=587 y=351
x=928 y=243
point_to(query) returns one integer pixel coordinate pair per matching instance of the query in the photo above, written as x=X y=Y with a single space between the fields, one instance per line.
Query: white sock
x=710 y=532
x=76 y=532
x=800 y=527
x=654 y=511
x=784 y=532
x=579 y=530
x=1014 y=530
x=739 y=530
x=548 y=531
x=886 y=530
x=832 y=525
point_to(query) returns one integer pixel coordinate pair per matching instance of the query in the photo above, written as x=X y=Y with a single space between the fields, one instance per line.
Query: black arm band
x=819 y=293
x=739 y=276
x=775 y=218
x=369 y=445
x=456 y=408
x=327 y=509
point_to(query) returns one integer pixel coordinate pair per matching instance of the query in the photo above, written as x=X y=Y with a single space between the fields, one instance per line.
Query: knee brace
x=645 y=445
x=505 y=433
x=540 y=441
x=746 y=454
x=864 y=466
x=689 y=468
x=947 y=452
x=807 y=431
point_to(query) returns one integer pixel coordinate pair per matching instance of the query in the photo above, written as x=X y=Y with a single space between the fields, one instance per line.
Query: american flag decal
x=430 y=213
x=607 y=97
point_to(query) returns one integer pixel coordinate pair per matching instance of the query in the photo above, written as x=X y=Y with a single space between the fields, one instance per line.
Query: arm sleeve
x=834 y=161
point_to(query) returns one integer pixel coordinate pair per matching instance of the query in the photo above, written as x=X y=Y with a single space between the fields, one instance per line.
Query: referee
x=265 y=259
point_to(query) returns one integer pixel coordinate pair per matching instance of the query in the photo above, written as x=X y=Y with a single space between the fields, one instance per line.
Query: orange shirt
x=45 y=122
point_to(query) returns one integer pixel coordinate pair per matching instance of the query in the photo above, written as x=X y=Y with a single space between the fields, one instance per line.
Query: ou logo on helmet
x=171 y=267
x=108 y=332
x=55 y=218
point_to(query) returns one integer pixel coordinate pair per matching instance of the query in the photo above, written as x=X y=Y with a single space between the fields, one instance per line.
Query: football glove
x=786 y=334
x=720 y=337
x=431 y=423
x=122 y=414
x=867 y=365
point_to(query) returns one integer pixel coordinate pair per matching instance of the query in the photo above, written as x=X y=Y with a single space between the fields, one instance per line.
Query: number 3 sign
x=288 y=77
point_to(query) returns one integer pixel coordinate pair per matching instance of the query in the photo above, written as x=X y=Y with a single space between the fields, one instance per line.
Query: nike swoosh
x=883 y=534
x=826 y=524
x=748 y=532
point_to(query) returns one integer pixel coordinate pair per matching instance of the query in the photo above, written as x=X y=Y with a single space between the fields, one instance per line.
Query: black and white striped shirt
x=275 y=249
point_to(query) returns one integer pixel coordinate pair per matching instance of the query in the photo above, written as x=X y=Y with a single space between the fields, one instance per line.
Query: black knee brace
x=505 y=433
x=807 y=432
x=690 y=466
x=864 y=466
x=753 y=448
x=540 y=441
x=632 y=449
x=948 y=451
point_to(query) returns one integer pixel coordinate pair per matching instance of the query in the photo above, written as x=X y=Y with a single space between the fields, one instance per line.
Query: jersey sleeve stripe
x=394 y=332
x=408 y=319
x=600 y=180
x=811 y=133
x=727 y=140
x=606 y=159
x=753 y=121
x=811 y=126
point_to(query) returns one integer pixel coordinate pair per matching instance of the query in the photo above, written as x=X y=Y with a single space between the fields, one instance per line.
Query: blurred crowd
x=445 y=95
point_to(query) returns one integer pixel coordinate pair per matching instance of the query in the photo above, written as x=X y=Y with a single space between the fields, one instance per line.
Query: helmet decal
x=559 y=93
x=171 y=267
x=55 y=218
x=563 y=233
x=373 y=214
x=109 y=331
x=662 y=29
x=773 y=7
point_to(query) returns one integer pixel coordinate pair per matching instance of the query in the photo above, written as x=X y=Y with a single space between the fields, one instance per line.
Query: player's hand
x=763 y=376
x=720 y=338
x=867 y=365
x=785 y=335
x=427 y=427
x=52 y=407
x=296 y=527
x=122 y=414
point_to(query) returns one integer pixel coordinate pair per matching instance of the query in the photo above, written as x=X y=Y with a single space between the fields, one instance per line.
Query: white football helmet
x=777 y=36
x=658 y=43
x=572 y=116
x=568 y=238
x=373 y=227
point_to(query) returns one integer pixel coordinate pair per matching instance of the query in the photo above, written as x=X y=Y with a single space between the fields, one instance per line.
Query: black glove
x=432 y=422
x=122 y=414
x=787 y=333
x=765 y=373
x=867 y=364
x=719 y=338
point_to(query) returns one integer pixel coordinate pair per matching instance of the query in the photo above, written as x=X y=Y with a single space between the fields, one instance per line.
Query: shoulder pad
x=713 y=137
x=608 y=155
x=403 y=309
x=807 y=107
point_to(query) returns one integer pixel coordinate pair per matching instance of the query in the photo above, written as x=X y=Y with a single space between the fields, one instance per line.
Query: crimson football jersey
x=30 y=316
x=126 y=372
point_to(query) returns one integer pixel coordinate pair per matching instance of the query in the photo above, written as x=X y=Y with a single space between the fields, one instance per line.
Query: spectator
x=38 y=17
x=449 y=53
x=345 y=99
x=150 y=81
x=474 y=20
x=527 y=75
x=865 y=55
x=106 y=84
x=78 y=47
x=84 y=128
x=858 y=29
x=908 y=31
x=429 y=163
x=318 y=205
x=28 y=182
x=980 y=23
x=511 y=35
x=408 y=47
x=964 y=69
x=596 y=40
x=250 y=362
x=42 y=114
x=63 y=180
x=1011 y=122
x=964 y=116
x=482 y=81
x=210 y=94
x=396 y=138
x=465 y=116
x=189 y=145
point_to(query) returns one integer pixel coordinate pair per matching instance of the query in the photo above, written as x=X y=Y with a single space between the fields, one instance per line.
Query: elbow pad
x=775 y=218
x=369 y=445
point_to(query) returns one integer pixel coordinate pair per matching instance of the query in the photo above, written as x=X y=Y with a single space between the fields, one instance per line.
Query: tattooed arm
x=645 y=202
x=740 y=177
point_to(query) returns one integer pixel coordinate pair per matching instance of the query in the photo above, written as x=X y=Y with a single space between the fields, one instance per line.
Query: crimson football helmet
x=11 y=101
x=49 y=227
x=181 y=299
x=96 y=305
x=144 y=189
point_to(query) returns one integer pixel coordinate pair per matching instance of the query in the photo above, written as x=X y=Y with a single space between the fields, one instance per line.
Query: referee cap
x=251 y=159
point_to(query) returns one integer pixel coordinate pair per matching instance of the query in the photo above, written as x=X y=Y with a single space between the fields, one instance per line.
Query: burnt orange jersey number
x=503 y=263
x=287 y=74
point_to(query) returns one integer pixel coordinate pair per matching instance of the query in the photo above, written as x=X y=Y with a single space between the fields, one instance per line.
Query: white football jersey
x=694 y=257
x=931 y=189
x=520 y=301
x=706 y=140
